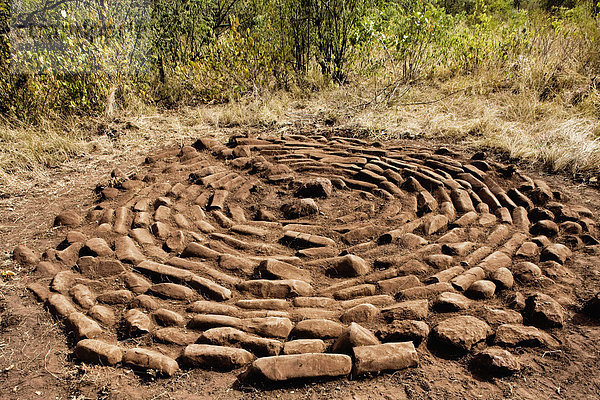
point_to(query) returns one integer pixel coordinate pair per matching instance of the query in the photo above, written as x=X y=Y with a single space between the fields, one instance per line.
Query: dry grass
x=570 y=145
x=553 y=134
x=27 y=154
x=28 y=149
x=558 y=136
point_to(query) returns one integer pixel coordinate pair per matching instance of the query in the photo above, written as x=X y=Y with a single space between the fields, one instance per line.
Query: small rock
x=96 y=247
x=366 y=289
x=421 y=292
x=161 y=230
x=360 y=314
x=175 y=336
x=60 y=305
x=302 y=346
x=276 y=327
x=144 y=302
x=75 y=236
x=351 y=265
x=544 y=227
x=174 y=291
x=276 y=289
x=353 y=336
x=410 y=241
x=528 y=250
x=24 y=255
x=122 y=296
x=482 y=289
x=83 y=296
x=149 y=359
x=451 y=302
x=63 y=281
x=265 y=215
x=544 y=312
x=571 y=227
x=275 y=269
x=166 y=317
x=263 y=304
x=82 y=326
x=382 y=357
x=127 y=251
x=218 y=357
x=403 y=331
x=411 y=309
x=487 y=219
x=232 y=337
x=496 y=260
x=299 y=208
x=176 y=242
x=394 y=285
x=513 y=335
x=137 y=322
x=317 y=329
x=93 y=267
x=41 y=291
x=462 y=332
x=463 y=281
x=67 y=218
x=242 y=151
x=98 y=352
x=573 y=242
x=110 y=193
x=555 y=252
x=439 y=261
x=541 y=241
x=103 y=314
x=504 y=215
x=47 y=268
x=212 y=307
x=458 y=249
x=326 y=302
x=503 y=278
x=516 y=301
x=526 y=272
x=426 y=203
x=520 y=219
x=297 y=366
x=70 y=255
x=136 y=283
x=496 y=362
x=500 y=317
x=435 y=224
x=319 y=187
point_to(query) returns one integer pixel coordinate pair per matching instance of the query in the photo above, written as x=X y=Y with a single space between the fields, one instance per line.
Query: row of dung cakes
x=180 y=257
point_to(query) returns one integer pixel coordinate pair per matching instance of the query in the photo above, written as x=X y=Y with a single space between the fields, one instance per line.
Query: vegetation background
x=521 y=76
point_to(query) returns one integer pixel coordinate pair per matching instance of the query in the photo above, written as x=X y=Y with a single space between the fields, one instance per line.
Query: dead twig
x=551 y=352
x=50 y=372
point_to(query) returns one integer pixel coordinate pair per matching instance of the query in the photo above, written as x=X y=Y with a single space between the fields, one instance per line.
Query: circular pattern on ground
x=311 y=256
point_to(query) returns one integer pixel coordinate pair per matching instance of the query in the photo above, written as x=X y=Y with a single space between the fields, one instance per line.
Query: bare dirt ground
x=36 y=353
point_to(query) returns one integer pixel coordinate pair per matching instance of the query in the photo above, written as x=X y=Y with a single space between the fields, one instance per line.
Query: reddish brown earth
x=373 y=193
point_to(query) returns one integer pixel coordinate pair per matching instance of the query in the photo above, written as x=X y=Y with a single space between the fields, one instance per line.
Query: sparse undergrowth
x=523 y=81
x=557 y=137
x=554 y=136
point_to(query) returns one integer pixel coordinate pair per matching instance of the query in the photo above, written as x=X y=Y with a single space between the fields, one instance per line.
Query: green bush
x=186 y=51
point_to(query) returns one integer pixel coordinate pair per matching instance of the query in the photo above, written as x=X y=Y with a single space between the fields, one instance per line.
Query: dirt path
x=36 y=352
